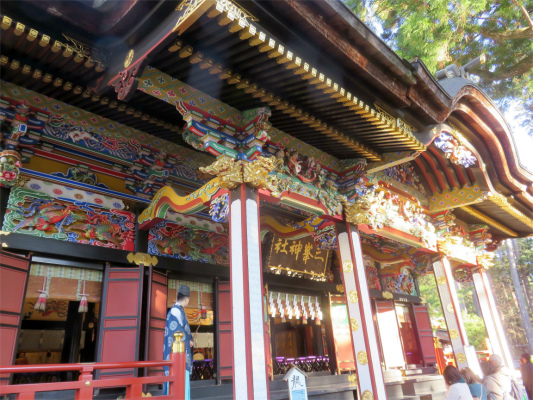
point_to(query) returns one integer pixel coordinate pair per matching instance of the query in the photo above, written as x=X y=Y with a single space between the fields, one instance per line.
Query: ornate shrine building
x=279 y=159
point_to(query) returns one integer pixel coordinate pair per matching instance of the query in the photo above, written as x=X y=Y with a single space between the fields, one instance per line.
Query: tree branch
x=525 y=12
x=520 y=33
x=523 y=66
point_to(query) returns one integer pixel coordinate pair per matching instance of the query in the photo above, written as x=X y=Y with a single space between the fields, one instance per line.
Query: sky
x=523 y=142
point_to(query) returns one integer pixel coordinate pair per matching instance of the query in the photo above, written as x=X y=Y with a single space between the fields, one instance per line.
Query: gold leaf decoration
x=354 y=324
x=387 y=295
x=256 y=172
x=454 y=334
x=142 y=258
x=367 y=395
x=450 y=309
x=362 y=358
x=340 y=288
x=352 y=378
x=347 y=266
x=129 y=58
x=461 y=358
x=353 y=297
x=441 y=280
x=228 y=170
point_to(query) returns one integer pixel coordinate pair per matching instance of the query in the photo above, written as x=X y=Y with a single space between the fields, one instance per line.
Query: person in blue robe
x=177 y=321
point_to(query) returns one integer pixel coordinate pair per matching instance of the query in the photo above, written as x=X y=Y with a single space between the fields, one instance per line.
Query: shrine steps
x=420 y=387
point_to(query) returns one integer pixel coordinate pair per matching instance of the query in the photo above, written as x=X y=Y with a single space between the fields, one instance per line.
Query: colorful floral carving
x=219 y=210
x=83 y=175
x=9 y=167
x=37 y=214
x=379 y=209
x=454 y=151
x=372 y=275
x=405 y=173
x=171 y=240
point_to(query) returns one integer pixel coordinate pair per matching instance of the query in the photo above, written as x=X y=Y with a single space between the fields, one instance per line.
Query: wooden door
x=342 y=335
x=120 y=318
x=393 y=354
x=156 y=318
x=14 y=270
x=224 y=328
x=425 y=334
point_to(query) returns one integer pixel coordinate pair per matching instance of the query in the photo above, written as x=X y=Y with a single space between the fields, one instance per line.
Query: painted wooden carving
x=37 y=214
x=171 y=240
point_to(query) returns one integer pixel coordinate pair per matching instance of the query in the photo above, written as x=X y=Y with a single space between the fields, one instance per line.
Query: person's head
x=525 y=358
x=470 y=376
x=496 y=360
x=488 y=368
x=451 y=375
x=184 y=295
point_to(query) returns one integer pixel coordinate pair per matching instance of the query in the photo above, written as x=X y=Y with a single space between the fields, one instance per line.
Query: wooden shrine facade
x=278 y=157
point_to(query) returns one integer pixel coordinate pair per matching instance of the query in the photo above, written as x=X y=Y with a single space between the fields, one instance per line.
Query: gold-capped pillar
x=249 y=359
x=491 y=316
x=364 y=340
x=451 y=310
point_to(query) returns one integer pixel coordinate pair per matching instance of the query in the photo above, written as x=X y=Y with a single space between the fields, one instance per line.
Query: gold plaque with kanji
x=298 y=257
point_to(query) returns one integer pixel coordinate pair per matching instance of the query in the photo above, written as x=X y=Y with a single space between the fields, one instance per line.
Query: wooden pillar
x=451 y=310
x=491 y=317
x=249 y=347
x=364 y=339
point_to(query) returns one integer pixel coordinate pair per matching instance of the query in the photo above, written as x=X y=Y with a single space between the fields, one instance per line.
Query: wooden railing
x=84 y=387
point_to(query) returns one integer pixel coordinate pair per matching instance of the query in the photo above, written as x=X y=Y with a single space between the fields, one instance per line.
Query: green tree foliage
x=474 y=325
x=504 y=295
x=443 y=32
x=475 y=330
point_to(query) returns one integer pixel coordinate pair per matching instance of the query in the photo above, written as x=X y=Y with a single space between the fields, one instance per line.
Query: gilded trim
x=142 y=258
x=483 y=218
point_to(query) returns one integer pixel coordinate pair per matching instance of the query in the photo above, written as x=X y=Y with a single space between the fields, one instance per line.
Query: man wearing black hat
x=177 y=321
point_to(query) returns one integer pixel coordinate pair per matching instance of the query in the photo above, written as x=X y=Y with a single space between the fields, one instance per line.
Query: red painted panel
x=425 y=334
x=119 y=338
x=9 y=319
x=121 y=323
x=9 y=340
x=13 y=279
x=13 y=285
x=122 y=273
x=225 y=337
x=122 y=299
x=157 y=314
